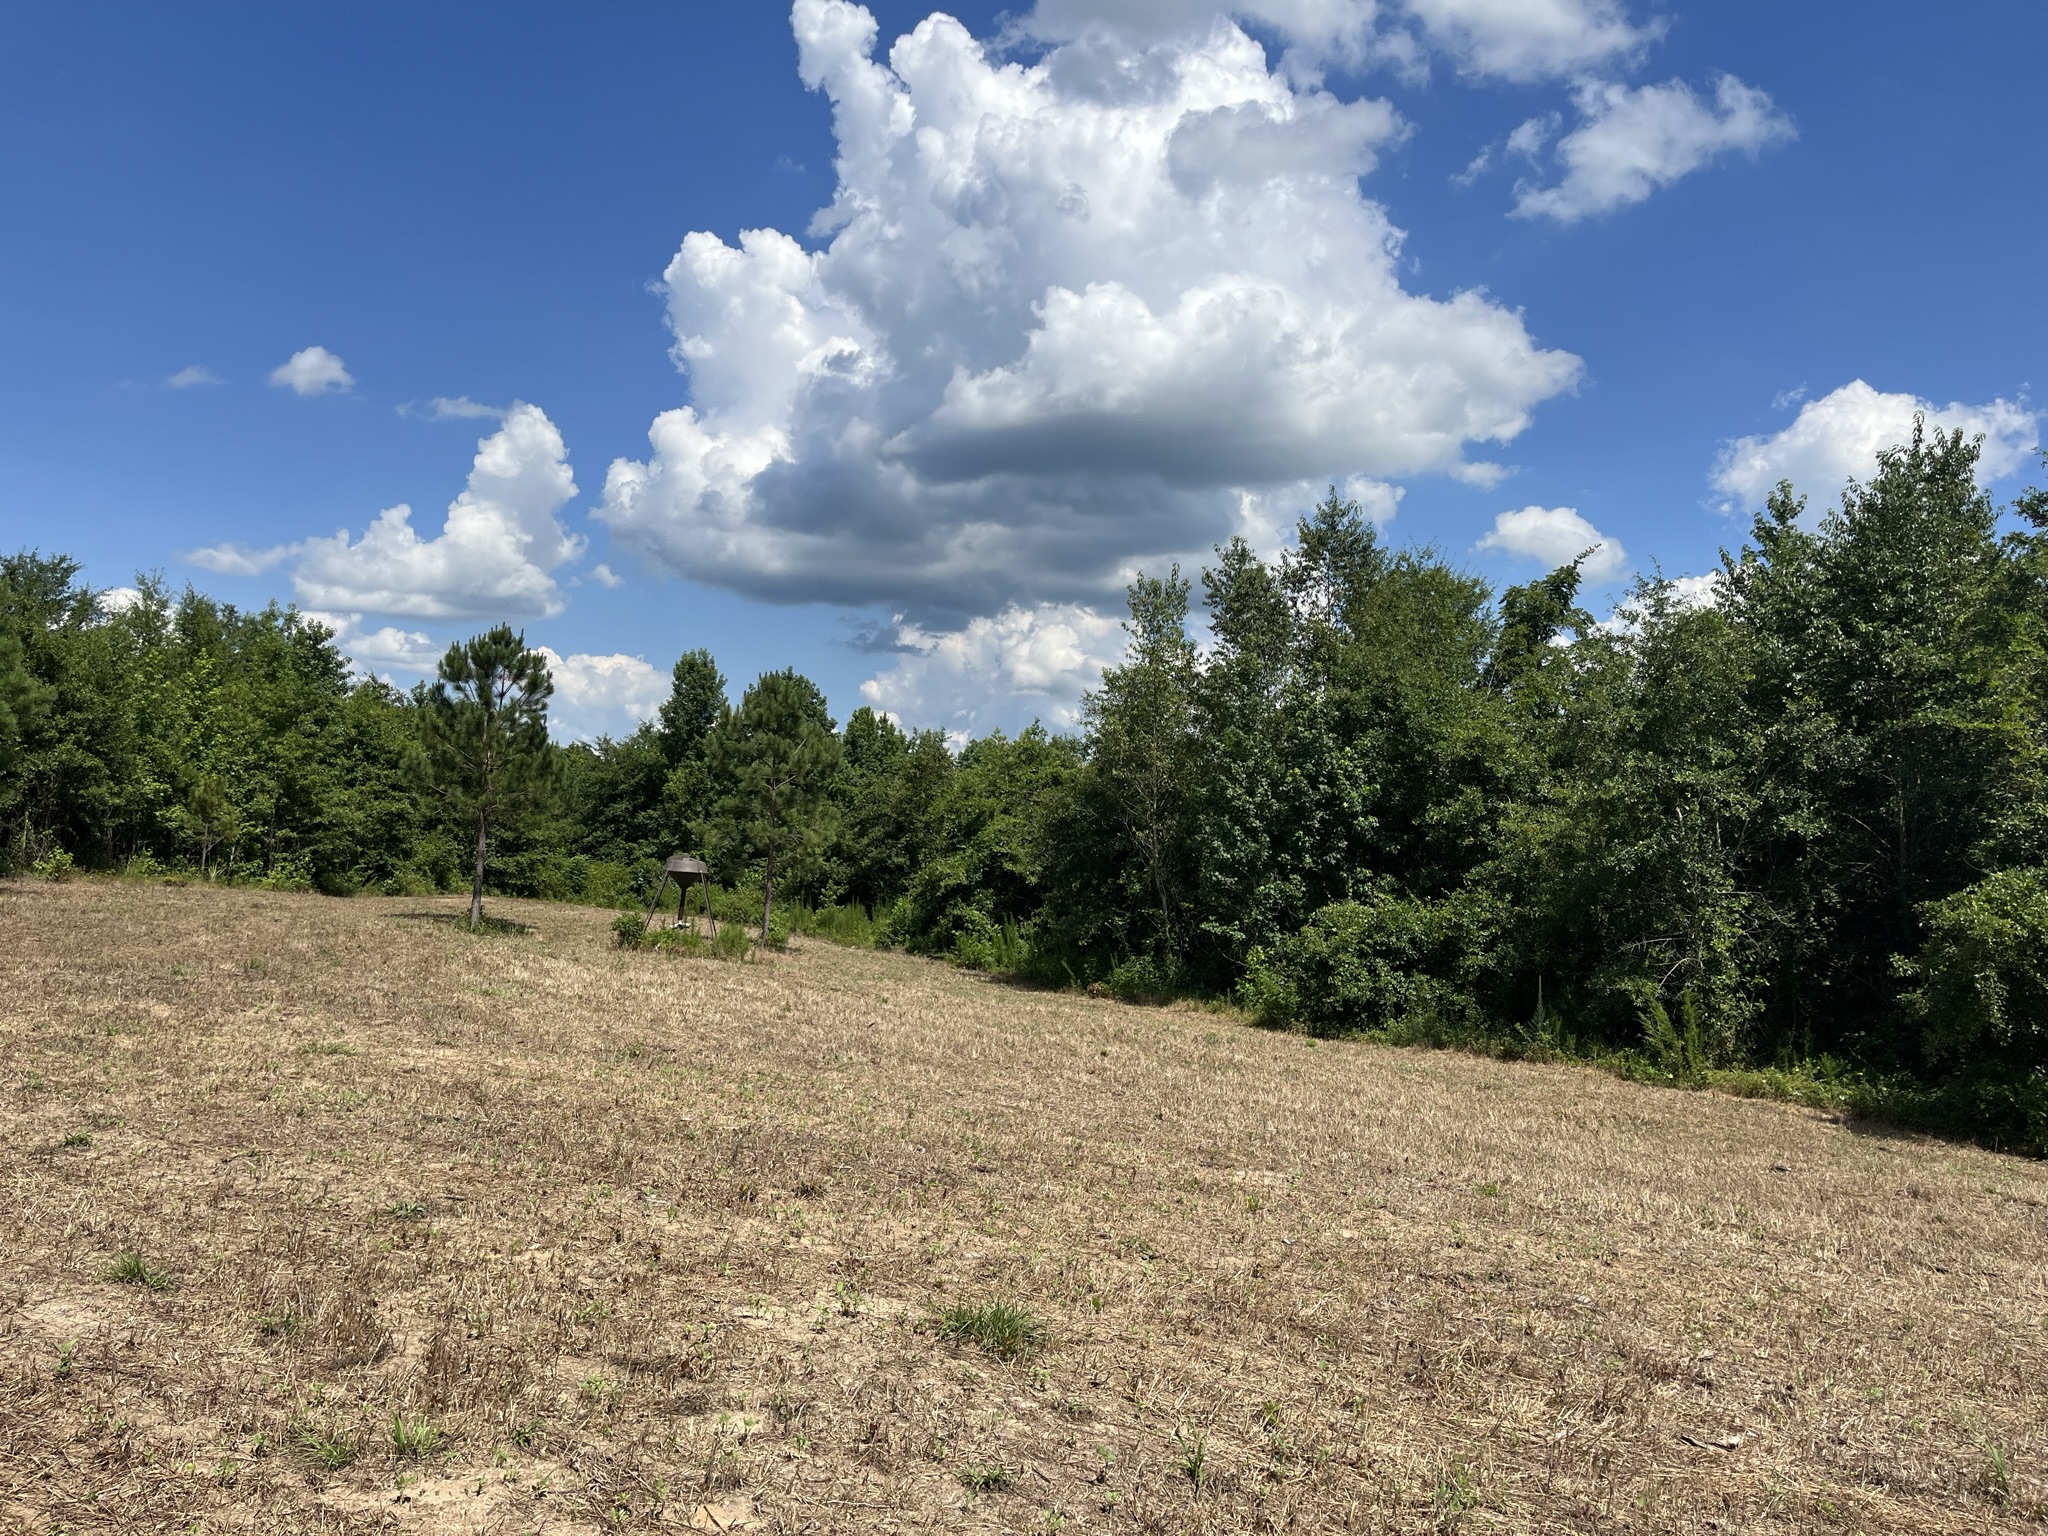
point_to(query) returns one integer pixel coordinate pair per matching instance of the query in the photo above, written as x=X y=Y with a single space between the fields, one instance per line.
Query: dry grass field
x=330 y=1216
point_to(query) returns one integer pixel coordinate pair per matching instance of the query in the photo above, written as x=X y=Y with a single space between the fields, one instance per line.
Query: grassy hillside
x=421 y=1231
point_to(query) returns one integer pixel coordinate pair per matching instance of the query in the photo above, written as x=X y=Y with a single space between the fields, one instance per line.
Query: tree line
x=1789 y=831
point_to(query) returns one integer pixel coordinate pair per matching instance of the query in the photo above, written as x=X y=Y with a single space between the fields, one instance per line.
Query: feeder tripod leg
x=649 y=918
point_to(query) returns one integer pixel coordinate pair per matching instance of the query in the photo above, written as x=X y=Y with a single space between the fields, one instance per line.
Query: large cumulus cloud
x=1064 y=318
x=1837 y=438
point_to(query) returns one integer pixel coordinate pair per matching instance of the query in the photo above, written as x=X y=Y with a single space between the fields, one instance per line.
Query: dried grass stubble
x=626 y=1234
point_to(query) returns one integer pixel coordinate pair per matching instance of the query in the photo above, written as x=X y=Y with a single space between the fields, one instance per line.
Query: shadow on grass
x=460 y=921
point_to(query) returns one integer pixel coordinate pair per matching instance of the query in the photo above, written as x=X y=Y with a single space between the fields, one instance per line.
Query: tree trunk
x=476 y=886
x=767 y=896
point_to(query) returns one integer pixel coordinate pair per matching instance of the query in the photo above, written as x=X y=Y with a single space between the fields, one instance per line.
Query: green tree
x=888 y=799
x=1144 y=745
x=776 y=754
x=484 y=738
x=1894 y=748
x=207 y=815
x=695 y=705
x=22 y=702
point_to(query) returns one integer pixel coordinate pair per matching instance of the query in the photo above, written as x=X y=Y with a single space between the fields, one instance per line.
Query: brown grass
x=643 y=1241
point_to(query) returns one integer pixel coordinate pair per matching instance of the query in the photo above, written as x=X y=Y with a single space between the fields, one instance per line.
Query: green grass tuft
x=413 y=1437
x=325 y=1448
x=1007 y=1332
x=134 y=1269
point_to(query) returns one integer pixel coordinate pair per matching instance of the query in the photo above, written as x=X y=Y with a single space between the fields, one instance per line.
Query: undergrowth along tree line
x=1795 y=825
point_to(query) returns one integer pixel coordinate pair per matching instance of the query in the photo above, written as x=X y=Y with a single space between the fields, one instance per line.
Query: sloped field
x=437 y=1232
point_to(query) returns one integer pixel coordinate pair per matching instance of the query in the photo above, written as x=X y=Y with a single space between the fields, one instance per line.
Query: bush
x=606 y=884
x=54 y=865
x=848 y=924
x=1983 y=973
x=1355 y=965
x=630 y=931
x=145 y=865
x=980 y=943
x=1142 y=979
x=291 y=873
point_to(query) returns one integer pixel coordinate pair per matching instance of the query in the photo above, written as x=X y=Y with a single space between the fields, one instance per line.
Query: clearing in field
x=331 y=1216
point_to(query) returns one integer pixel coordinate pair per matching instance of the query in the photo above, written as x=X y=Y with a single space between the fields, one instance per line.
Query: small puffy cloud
x=1837 y=438
x=1000 y=672
x=605 y=576
x=1702 y=591
x=239 y=559
x=1530 y=138
x=383 y=651
x=1556 y=536
x=313 y=371
x=1631 y=140
x=595 y=695
x=195 y=377
x=493 y=556
x=1530 y=39
x=1066 y=315
x=118 y=599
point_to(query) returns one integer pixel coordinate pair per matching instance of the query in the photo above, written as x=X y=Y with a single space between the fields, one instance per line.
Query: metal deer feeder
x=683 y=868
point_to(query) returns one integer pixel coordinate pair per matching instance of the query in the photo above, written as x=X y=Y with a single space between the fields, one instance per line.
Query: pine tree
x=484 y=738
x=776 y=755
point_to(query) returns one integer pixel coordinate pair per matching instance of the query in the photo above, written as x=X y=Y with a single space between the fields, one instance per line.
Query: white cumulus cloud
x=1065 y=315
x=1837 y=437
x=1555 y=536
x=239 y=559
x=1506 y=39
x=999 y=671
x=382 y=651
x=495 y=552
x=312 y=371
x=600 y=694
x=195 y=377
x=1530 y=39
x=1631 y=140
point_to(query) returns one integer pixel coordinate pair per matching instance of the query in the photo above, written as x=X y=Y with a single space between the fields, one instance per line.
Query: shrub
x=733 y=942
x=145 y=865
x=630 y=931
x=848 y=924
x=1142 y=979
x=606 y=884
x=54 y=865
x=1355 y=965
x=291 y=873
x=1676 y=1046
x=1983 y=972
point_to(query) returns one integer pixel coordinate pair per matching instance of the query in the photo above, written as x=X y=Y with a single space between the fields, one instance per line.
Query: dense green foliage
x=1794 y=825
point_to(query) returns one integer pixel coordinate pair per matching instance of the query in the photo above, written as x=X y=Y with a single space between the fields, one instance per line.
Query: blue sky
x=1521 y=275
